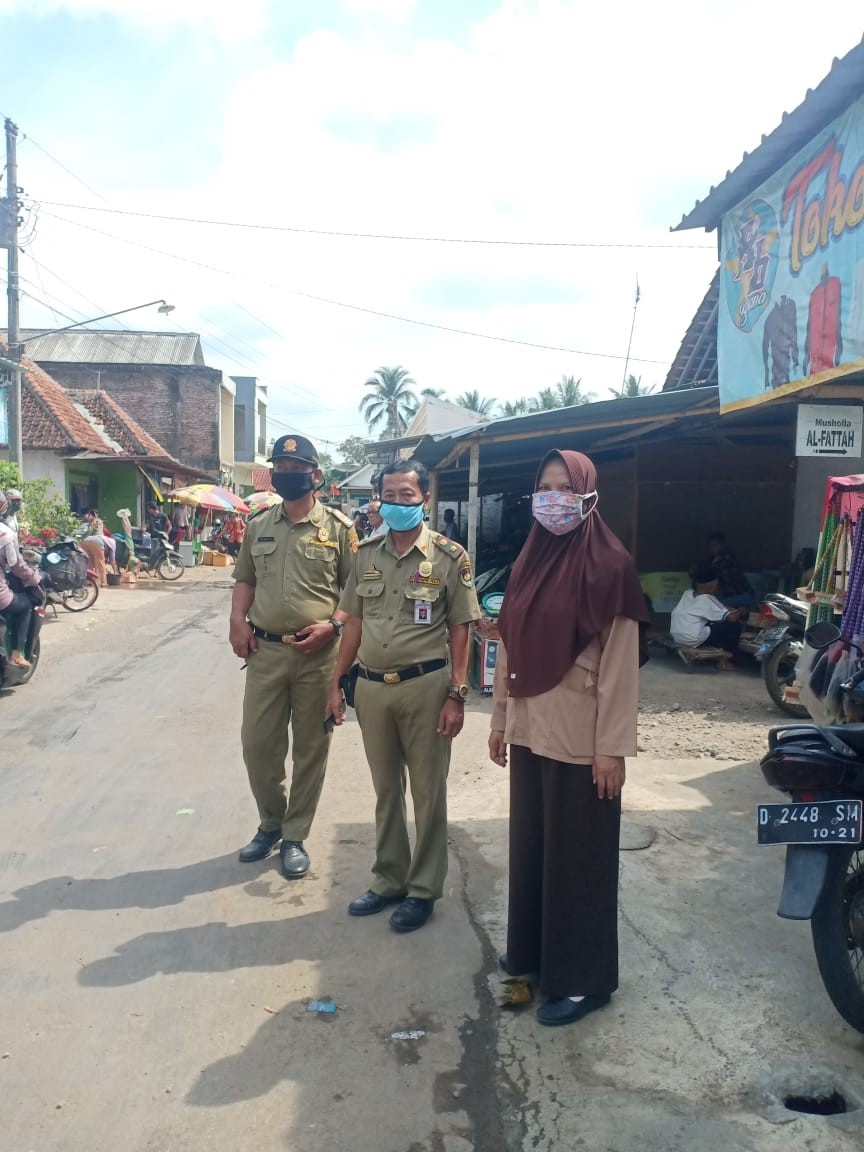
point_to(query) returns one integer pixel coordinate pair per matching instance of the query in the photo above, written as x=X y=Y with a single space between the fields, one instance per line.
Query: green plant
x=10 y=476
x=44 y=509
x=391 y=401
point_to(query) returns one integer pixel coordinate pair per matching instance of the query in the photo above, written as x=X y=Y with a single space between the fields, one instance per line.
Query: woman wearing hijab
x=565 y=700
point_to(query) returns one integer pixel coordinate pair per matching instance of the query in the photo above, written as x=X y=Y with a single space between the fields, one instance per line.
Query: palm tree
x=569 y=392
x=391 y=401
x=632 y=386
x=545 y=400
x=513 y=407
x=432 y=394
x=473 y=402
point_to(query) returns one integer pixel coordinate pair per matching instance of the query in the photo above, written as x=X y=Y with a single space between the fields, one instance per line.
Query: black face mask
x=292 y=485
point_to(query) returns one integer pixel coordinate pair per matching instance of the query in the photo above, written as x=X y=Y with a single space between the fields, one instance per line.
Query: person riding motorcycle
x=14 y=499
x=17 y=607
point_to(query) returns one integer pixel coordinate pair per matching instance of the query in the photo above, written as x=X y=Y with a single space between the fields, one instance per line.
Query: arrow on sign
x=831 y=452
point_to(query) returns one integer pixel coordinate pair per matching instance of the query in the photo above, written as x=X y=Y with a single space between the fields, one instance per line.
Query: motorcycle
x=778 y=646
x=67 y=580
x=157 y=556
x=821 y=770
x=11 y=675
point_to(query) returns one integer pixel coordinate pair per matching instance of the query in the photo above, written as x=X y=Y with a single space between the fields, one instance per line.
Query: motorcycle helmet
x=14 y=497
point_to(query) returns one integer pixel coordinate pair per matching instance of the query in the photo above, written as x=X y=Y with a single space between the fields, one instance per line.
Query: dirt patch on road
x=703 y=713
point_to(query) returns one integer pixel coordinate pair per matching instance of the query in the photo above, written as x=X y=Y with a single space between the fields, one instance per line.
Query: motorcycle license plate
x=820 y=822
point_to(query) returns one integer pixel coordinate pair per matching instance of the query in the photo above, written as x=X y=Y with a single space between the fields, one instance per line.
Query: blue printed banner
x=792 y=279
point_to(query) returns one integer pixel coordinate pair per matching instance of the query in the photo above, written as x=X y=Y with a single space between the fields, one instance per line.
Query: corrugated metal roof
x=840 y=88
x=114 y=347
x=696 y=362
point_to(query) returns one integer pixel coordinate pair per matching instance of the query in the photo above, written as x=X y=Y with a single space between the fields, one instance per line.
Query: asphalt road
x=155 y=992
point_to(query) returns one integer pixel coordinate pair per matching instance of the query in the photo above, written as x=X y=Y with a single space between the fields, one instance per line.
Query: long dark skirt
x=563 y=914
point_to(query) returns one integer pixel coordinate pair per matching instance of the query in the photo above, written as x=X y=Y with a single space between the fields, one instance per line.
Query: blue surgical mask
x=402 y=517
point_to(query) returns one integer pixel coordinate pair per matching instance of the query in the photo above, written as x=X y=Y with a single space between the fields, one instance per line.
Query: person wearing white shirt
x=699 y=618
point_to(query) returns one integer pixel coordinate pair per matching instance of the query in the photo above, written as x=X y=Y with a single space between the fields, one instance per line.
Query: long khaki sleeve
x=593 y=711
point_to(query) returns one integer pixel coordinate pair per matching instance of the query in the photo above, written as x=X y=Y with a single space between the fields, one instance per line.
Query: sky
x=589 y=130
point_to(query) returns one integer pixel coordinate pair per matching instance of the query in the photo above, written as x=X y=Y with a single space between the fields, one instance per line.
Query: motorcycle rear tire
x=841 y=966
x=171 y=568
x=774 y=682
x=83 y=598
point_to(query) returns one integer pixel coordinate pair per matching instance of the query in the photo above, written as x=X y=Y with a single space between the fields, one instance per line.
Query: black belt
x=409 y=673
x=274 y=637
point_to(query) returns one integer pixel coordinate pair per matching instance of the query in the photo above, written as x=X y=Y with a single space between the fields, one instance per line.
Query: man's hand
x=736 y=614
x=451 y=719
x=242 y=637
x=336 y=704
x=497 y=749
x=314 y=637
x=608 y=774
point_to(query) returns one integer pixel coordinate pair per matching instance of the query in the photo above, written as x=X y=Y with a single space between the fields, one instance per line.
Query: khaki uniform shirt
x=297 y=570
x=408 y=603
x=593 y=711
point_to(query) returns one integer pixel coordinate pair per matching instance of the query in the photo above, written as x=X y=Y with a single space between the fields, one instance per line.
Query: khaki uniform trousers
x=399 y=723
x=284 y=687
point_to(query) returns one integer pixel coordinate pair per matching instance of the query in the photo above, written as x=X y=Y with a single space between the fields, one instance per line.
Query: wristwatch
x=337 y=627
x=458 y=692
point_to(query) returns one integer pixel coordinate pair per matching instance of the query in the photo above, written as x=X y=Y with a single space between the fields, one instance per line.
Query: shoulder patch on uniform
x=340 y=516
x=369 y=540
x=449 y=546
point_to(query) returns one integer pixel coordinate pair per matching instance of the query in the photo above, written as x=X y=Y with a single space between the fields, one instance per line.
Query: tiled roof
x=843 y=85
x=49 y=418
x=696 y=362
x=118 y=424
x=93 y=346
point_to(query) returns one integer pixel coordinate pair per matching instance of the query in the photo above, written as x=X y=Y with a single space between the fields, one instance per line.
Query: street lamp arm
x=164 y=308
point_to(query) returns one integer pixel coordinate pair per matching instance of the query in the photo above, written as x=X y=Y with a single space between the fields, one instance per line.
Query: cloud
x=224 y=18
x=390 y=9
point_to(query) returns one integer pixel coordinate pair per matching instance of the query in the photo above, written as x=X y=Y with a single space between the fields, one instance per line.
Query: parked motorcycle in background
x=821 y=770
x=778 y=647
x=67 y=580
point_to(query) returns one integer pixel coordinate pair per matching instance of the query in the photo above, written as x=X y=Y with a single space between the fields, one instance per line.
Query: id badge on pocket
x=422 y=611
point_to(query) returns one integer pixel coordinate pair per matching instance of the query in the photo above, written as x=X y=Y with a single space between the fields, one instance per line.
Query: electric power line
x=60 y=164
x=493 y=242
x=352 y=307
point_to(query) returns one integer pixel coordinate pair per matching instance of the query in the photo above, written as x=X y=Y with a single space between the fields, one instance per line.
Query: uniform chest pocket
x=371 y=593
x=420 y=592
x=316 y=551
x=264 y=557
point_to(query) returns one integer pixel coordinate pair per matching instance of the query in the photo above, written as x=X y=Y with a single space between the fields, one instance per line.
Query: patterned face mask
x=561 y=512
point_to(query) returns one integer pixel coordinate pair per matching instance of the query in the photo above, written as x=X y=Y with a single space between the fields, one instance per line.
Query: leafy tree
x=545 y=400
x=632 y=386
x=352 y=452
x=475 y=403
x=391 y=401
x=43 y=508
x=513 y=407
x=10 y=477
x=569 y=392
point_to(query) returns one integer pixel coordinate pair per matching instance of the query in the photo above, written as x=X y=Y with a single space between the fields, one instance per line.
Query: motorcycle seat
x=851 y=734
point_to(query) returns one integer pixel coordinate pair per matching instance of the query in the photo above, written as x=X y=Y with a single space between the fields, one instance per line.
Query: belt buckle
x=392 y=678
x=288 y=638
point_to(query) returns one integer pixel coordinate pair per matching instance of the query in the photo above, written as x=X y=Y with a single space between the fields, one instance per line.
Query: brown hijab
x=564 y=590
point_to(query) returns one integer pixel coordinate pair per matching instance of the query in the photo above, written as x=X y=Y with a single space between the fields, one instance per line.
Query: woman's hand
x=608 y=773
x=497 y=749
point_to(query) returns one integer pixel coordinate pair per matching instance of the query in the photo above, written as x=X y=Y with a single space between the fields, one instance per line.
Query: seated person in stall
x=234 y=533
x=733 y=590
x=699 y=618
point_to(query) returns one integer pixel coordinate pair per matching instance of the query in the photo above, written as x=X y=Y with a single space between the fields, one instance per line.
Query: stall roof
x=822 y=104
x=696 y=362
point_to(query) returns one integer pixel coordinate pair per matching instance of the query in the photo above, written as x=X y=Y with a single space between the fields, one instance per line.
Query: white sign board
x=826 y=430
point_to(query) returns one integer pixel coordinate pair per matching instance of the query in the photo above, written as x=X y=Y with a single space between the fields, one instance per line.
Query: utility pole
x=13 y=338
x=630 y=345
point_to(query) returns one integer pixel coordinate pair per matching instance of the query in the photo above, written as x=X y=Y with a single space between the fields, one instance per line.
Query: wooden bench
x=704 y=654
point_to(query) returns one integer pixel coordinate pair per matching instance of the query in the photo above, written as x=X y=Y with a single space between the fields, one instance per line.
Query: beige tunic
x=591 y=712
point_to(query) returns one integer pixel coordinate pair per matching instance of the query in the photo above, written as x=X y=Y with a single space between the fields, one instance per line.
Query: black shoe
x=260 y=846
x=554 y=1013
x=411 y=914
x=370 y=903
x=294 y=860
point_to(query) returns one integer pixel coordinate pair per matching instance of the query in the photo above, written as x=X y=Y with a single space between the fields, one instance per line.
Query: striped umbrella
x=209 y=496
x=259 y=500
